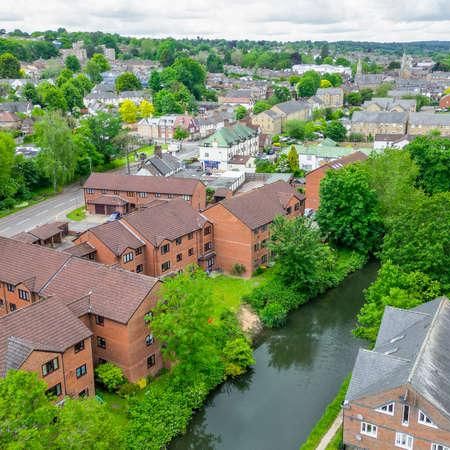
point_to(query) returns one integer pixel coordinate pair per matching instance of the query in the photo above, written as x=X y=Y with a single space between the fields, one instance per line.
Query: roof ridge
x=391 y=356
x=410 y=311
x=426 y=339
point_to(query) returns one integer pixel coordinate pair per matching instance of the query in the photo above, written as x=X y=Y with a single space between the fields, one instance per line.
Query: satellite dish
x=358 y=437
x=359 y=417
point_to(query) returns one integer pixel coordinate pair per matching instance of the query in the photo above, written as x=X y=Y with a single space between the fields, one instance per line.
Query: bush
x=259 y=270
x=110 y=376
x=238 y=356
x=274 y=315
x=238 y=269
x=128 y=390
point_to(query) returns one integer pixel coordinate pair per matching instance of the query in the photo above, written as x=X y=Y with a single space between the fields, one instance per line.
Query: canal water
x=298 y=371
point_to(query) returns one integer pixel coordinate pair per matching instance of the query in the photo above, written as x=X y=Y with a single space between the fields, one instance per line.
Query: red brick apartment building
x=61 y=315
x=105 y=193
x=399 y=394
x=158 y=240
x=313 y=178
x=242 y=224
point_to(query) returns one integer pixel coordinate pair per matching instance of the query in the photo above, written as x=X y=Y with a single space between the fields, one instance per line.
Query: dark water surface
x=298 y=371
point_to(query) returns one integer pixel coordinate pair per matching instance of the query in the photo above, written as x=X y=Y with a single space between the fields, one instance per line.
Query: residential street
x=41 y=213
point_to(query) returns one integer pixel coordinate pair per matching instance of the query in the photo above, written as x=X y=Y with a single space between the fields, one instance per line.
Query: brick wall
x=388 y=425
x=312 y=186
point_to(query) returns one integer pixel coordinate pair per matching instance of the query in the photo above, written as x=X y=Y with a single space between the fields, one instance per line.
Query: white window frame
x=399 y=436
x=373 y=429
x=405 y=423
x=128 y=257
x=423 y=421
x=439 y=447
x=387 y=405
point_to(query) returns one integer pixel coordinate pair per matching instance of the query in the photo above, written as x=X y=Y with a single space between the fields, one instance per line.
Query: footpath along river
x=298 y=371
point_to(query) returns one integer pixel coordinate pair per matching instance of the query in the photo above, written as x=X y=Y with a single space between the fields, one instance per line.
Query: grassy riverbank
x=329 y=416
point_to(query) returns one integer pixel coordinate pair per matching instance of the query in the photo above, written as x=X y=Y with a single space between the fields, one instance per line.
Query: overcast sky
x=369 y=20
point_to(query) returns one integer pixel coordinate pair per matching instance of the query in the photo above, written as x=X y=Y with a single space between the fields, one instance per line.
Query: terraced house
x=63 y=315
x=219 y=151
x=399 y=394
x=158 y=240
x=105 y=193
x=242 y=224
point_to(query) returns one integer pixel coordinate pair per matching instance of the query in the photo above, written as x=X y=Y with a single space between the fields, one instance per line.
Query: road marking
x=23 y=221
x=59 y=204
x=5 y=229
x=42 y=213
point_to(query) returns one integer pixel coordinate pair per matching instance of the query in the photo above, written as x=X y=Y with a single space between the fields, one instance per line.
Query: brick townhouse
x=242 y=224
x=313 y=178
x=105 y=193
x=108 y=304
x=160 y=239
x=399 y=394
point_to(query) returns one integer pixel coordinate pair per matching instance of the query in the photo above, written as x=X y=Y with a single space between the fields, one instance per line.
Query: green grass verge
x=38 y=196
x=325 y=422
x=78 y=214
x=336 y=442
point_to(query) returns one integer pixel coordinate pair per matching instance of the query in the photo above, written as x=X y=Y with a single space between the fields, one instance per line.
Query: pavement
x=330 y=433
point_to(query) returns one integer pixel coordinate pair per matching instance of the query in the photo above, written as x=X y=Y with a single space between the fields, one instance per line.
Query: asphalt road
x=46 y=211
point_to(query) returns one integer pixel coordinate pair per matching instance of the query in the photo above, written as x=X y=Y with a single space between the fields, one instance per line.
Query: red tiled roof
x=80 y=250
x=106 y=199
x=116 y=236
x=42 y=232
x=47 y=325
x=6 y=116
x=168 y=220
x=341 y=162
x=136 y=183
x=260 y=206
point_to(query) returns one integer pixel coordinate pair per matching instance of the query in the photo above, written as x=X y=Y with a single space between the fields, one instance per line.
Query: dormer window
x=387 y=409
x=425 y=420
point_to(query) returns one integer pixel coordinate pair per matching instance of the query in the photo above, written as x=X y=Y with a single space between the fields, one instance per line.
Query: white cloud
x=375 y=20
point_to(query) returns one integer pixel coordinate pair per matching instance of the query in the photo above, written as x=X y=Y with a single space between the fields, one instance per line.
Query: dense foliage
x=349 y=213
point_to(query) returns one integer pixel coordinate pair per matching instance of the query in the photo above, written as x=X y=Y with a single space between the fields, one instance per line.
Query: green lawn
x=228 y=290
x=78 y=214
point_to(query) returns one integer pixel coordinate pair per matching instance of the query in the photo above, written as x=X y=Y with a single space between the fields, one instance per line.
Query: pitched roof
x=33 y=264
x=6 y=116
x=379 y=117
x=42 y=232
x=169 y=220
x=113 y=292
x=135 y=183
x=47 y=325
x=341 y=162
x=420 y=118
x=228 y=136
x=80 y=250
x=411 y=350
x=260 y=206
x=292 y=106
x=116 y=236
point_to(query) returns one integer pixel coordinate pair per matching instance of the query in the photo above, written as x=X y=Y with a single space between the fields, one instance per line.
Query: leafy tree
x=366 y=94
x=281 y=94
x=155 y=82
x=432 y=156
x=58 y=157
x=214 y=63
x=382 y=89
x=191 y=73
x=294 y=79
x=25 y=411
x=348 y=213
x=72 y=63
x=166 y=52
x=393 y=287
x=128 y=111
x=165 y=102
x=30 y=93
x=180 y=133
x=73 y=96
x=334 y=78
x=83 y=83
x=238 y=356
x=7 y=150
x=353 y=98
x=260 y=106
x=9 y=66
x=240 y=112
x=101 y=130
x=325 y=84
x=64 y=75
x=110 y=376
x=295 y=128
x=335 y=130
x=392 y=175
x=86 y=423
x=293 y=158
x=264 y=166
x=51 y=97
x=341 y=61
x=146 y=109
x=127 y=81
x=302 y=258
x=101 y=62
x=418 y=238
x=308 y=84
x=394 y=65
x=94 y=71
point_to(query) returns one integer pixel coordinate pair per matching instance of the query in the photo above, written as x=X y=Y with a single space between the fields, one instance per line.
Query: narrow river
x=298 y=371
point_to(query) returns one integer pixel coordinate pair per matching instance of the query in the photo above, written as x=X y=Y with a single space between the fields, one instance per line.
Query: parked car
x=114 y=216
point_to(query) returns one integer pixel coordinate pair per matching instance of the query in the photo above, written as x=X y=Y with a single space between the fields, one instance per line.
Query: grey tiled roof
x=429 y=119
x=411 y=350
x=379 y=117
x=292 y=106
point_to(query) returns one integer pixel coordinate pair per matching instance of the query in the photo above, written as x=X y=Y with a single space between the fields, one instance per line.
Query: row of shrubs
x=274 y=299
